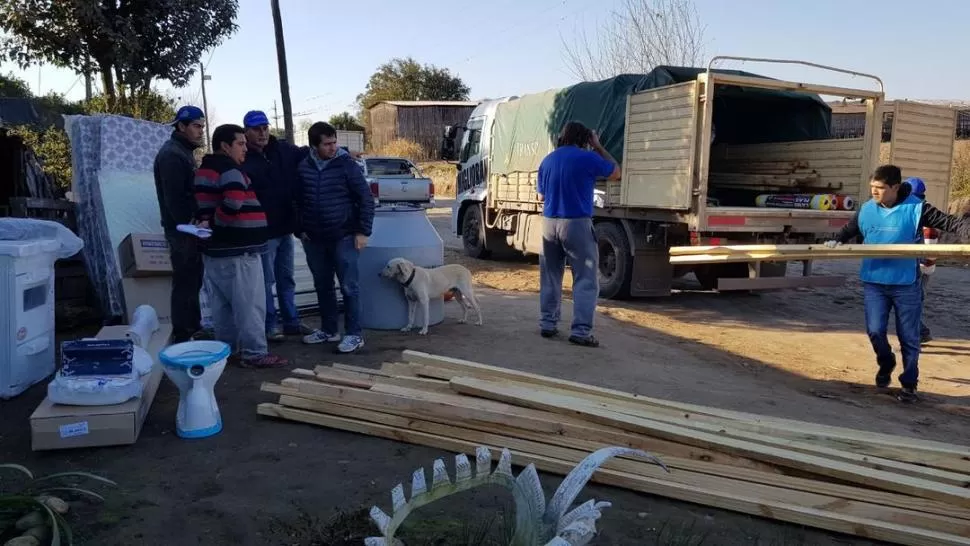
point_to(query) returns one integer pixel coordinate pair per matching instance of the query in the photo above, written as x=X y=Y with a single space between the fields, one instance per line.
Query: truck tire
x=615 y=261
x=473 y=232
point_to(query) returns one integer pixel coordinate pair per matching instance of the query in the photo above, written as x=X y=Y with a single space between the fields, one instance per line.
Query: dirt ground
x=799 y=354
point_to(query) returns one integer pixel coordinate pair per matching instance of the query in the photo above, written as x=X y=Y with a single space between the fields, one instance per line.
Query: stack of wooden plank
x=767 y=175
x=749 y=253
x=884 y=487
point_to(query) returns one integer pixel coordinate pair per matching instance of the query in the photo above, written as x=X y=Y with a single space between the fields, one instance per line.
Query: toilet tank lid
x=29 y=247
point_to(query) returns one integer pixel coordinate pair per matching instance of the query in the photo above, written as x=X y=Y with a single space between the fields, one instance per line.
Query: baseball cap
x=917 y=186
x=255 y=118
x=188 y=114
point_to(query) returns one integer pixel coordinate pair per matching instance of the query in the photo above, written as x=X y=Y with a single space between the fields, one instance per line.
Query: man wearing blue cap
x=271 y=164
x=895 y=216
x=174 y=185
x=927 y=266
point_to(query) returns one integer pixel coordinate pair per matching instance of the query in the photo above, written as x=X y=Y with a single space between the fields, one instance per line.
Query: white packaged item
x=93 y=390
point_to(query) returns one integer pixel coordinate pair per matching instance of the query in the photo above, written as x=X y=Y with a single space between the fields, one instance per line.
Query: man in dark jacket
x=174 y=173
x=228 y=205
x=271 y=165
x=335 y=211
x=894 y=216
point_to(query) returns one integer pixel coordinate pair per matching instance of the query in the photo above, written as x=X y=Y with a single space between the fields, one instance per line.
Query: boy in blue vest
x=895 y=216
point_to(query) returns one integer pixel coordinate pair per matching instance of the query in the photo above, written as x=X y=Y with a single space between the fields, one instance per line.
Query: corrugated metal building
x=420 y=121
x=849 y=120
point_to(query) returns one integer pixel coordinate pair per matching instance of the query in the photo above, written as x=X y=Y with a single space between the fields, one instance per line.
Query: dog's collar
x=410 y=278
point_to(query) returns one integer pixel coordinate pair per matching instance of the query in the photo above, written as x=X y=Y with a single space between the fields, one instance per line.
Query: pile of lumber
x=884 y=487
x=752 y=253
x=767 y=175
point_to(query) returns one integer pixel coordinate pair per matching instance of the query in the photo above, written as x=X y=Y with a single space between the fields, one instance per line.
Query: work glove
x=832 y=244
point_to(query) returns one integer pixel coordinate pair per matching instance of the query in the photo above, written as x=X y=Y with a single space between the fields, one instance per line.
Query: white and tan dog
x=421 y=284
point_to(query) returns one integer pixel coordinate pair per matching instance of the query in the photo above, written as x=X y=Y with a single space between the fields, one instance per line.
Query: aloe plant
x=36 y=508
x=537 y=523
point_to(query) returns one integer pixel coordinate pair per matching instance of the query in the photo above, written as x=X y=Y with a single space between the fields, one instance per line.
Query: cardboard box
x=154 y=291
x=56 y=426
x=144 y=255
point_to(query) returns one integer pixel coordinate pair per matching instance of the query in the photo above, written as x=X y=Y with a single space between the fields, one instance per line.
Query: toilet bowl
x=195 y=367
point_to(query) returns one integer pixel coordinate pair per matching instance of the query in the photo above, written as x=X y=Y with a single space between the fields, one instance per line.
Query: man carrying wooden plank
x=895 y=216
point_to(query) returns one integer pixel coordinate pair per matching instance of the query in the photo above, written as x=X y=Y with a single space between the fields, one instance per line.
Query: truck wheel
x=615 y=262
x=473 y=233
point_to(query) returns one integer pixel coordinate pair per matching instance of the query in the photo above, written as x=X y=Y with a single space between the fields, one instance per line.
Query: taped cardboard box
x=56 y=426
x=144 y=255
x=154 y=291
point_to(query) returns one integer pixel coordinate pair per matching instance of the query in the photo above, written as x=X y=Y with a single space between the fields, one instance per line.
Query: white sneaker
x=350 y=344
x=319 y=336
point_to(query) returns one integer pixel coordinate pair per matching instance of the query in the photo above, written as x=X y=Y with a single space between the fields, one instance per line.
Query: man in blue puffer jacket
x=335 y=213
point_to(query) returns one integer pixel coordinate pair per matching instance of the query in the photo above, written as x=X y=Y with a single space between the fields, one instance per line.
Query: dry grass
x=403 y=148
x=443 y=175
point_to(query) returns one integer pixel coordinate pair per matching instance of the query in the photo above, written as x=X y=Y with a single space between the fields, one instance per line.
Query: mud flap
x=653 y=273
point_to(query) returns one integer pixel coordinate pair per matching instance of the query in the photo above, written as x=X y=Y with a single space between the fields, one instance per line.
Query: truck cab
x=472 y=152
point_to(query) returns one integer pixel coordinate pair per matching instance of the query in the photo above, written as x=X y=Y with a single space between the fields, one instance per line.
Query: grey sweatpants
x=569 y=241
x=237 y=298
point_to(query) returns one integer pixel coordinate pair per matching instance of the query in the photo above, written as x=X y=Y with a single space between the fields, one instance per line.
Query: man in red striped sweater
x=232 y=256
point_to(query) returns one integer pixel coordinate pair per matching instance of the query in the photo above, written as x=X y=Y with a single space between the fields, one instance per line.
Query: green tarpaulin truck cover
x=526 y=128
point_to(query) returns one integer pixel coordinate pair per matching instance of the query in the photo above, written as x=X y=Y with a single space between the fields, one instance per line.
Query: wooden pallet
x=879 y=486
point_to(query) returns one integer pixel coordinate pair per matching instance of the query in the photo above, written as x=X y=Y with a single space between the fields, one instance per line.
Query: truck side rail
x=882 y=88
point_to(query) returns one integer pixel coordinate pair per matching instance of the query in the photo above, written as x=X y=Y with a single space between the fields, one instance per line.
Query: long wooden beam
x=901 y=250
x=889 y=481
x=778 y=506
x=446 y=368
x=471 y=431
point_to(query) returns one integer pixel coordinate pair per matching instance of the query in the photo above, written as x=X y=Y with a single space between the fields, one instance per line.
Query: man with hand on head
x=566 y=183
x=271 y=165
x=228 y=205
x=335 y=213
x=895 y=216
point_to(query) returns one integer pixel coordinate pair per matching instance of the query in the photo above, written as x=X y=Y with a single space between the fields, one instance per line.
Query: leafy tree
x=406 y=79
x=345 y=121
x=130 y=43
x=14 y=87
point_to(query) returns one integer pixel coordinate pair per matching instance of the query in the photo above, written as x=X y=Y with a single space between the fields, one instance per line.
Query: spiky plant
x=536 y=522
x=36 y=509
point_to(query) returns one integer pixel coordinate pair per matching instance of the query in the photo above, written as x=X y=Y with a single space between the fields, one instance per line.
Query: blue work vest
x=886 y=226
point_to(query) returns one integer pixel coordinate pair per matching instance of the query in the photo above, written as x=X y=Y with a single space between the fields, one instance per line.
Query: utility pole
x=205 y=106
x=284 y=78
x=276 y=116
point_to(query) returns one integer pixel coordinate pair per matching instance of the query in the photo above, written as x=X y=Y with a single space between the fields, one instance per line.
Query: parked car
x=396 y=180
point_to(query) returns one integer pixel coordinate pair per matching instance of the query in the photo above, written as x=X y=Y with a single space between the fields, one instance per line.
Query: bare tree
x=636 y=37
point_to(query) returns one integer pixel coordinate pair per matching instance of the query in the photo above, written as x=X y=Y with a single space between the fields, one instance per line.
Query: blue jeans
x=340 y=257
x=235 y=285
x=907 y=301
x=569 y=241
x=278 y=268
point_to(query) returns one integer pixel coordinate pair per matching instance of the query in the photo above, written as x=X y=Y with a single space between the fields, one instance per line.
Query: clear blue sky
x=514 y=47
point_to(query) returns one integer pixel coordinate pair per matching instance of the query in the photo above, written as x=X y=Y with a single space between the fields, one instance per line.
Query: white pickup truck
x=396 y=180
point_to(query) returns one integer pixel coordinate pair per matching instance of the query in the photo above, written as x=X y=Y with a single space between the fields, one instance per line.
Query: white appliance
x=195 y=367
x=26 y=313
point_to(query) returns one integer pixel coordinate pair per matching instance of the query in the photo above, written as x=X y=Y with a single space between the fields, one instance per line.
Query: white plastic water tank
x=26 y=313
